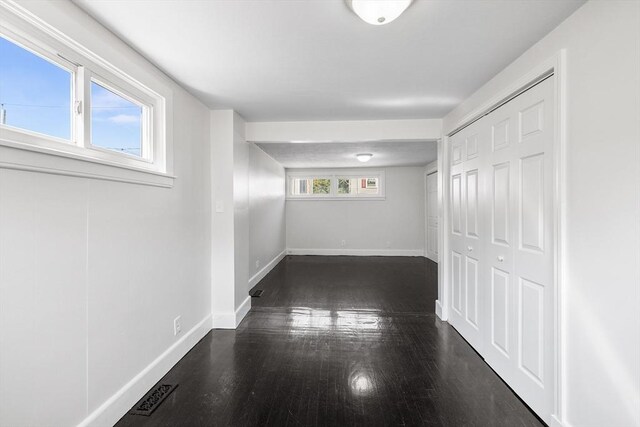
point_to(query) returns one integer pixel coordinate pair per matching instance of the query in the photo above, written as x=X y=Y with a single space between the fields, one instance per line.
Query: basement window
x=59 y=99
x=35 y=92
x=336 y=185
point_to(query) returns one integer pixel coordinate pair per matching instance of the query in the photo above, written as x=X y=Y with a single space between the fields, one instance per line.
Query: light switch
x=219 y=206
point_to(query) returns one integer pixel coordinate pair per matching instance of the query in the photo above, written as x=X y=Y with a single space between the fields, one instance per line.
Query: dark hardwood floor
x=339 y=341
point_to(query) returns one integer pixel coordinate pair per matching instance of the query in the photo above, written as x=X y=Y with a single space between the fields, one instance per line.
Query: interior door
x=520 y=250
x=432 y=216
x=467 y=252
x=501 y=241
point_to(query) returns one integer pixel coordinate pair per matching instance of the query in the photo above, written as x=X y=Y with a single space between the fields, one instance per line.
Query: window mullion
x=82 y=109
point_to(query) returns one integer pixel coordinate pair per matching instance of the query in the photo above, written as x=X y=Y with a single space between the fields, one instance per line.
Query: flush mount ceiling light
x=364 y=157
x=378 y=12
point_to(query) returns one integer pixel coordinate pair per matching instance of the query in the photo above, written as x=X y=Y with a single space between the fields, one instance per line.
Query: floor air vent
x=153 y=399
x=257 y=293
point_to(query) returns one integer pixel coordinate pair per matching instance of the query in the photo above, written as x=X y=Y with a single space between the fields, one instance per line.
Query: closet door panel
x=465 y=243
x=533 y=248
x=501 y=238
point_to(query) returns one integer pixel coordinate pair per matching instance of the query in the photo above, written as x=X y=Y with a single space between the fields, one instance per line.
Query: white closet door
x=432 y=216
x=534 y=255
x=520 y=282
x=501 y=240
x=467 y=255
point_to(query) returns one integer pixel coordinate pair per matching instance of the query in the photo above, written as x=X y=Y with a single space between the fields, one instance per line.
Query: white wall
x=222 y=221
x=394 y=226
x=241 y=215
x=230 y=221
x=267 y=239
x=602 y=283
x=248 y=223
x=345 y=131
x=92 y=272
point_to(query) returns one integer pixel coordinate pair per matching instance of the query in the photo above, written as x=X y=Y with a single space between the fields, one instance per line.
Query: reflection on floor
x=339 y=341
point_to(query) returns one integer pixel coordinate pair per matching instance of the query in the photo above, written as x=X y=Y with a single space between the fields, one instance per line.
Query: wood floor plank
x=339 y=341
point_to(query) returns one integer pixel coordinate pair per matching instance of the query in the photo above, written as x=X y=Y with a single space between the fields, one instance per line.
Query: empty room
x=319 y=213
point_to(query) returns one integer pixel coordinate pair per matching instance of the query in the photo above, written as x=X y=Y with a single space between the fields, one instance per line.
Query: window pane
x=116 y=123
x=300 y=186
x=368 y=186
x=344 y=186
x=321 y=186
x=35 y=94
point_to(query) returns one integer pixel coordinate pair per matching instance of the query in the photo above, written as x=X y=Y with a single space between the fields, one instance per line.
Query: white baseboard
x=243 y=310
x=438 y=309
x=432 y=258
x=555 y=422
x=266 y=269
x=223 y=321
x=117 y=405
x=231 y=320
x=357 y=252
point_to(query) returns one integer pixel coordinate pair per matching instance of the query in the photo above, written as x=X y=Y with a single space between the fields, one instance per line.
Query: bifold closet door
x=520 y=248
x=466 y=235
x=504 y=261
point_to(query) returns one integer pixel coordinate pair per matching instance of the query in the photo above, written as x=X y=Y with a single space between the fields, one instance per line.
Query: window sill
x=341 y=199
x=25 y=157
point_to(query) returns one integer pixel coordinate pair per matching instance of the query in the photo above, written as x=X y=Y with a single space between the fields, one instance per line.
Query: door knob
x=470 y=248
x=500 y=258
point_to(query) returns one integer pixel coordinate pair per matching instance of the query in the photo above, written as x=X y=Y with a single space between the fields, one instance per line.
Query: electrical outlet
x=388 y=244
x=257 y=263
x=177 y=325
x=343 y=243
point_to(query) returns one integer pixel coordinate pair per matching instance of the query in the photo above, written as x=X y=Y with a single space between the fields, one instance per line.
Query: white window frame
x=334 y=175
x=28 y=150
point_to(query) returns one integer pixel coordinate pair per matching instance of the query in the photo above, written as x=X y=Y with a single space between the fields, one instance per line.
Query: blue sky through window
x=115 y=121
x=35 y=94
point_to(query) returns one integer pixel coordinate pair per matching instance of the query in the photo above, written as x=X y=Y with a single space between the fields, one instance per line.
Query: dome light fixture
x=378 y=12
x=364 y=157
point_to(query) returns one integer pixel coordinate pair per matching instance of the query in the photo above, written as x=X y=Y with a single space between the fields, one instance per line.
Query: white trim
x=119 y=403
x=443 y=227
x=320 y=198
x=432 y=167
x=266 y=269
x=38 y=159
x=426 y=214
x=556 y=423
x=356 y=252
x=223 y=321
x=560 y=235
x=231 y=320
x=242 y=311
x=555 y=65
x=439 y=310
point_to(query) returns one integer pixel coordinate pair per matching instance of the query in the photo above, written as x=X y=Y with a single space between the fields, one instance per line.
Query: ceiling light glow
x=378 y=12
x=364 y=157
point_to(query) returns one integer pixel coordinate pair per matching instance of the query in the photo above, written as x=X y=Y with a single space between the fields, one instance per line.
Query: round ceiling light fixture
x=378 y=12
x=364 y=157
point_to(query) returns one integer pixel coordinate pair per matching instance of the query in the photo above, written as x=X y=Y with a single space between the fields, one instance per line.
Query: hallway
x=338 y=341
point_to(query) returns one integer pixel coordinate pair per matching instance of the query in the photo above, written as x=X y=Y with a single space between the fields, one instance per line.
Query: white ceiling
x=343 y=154
x=277 y=60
